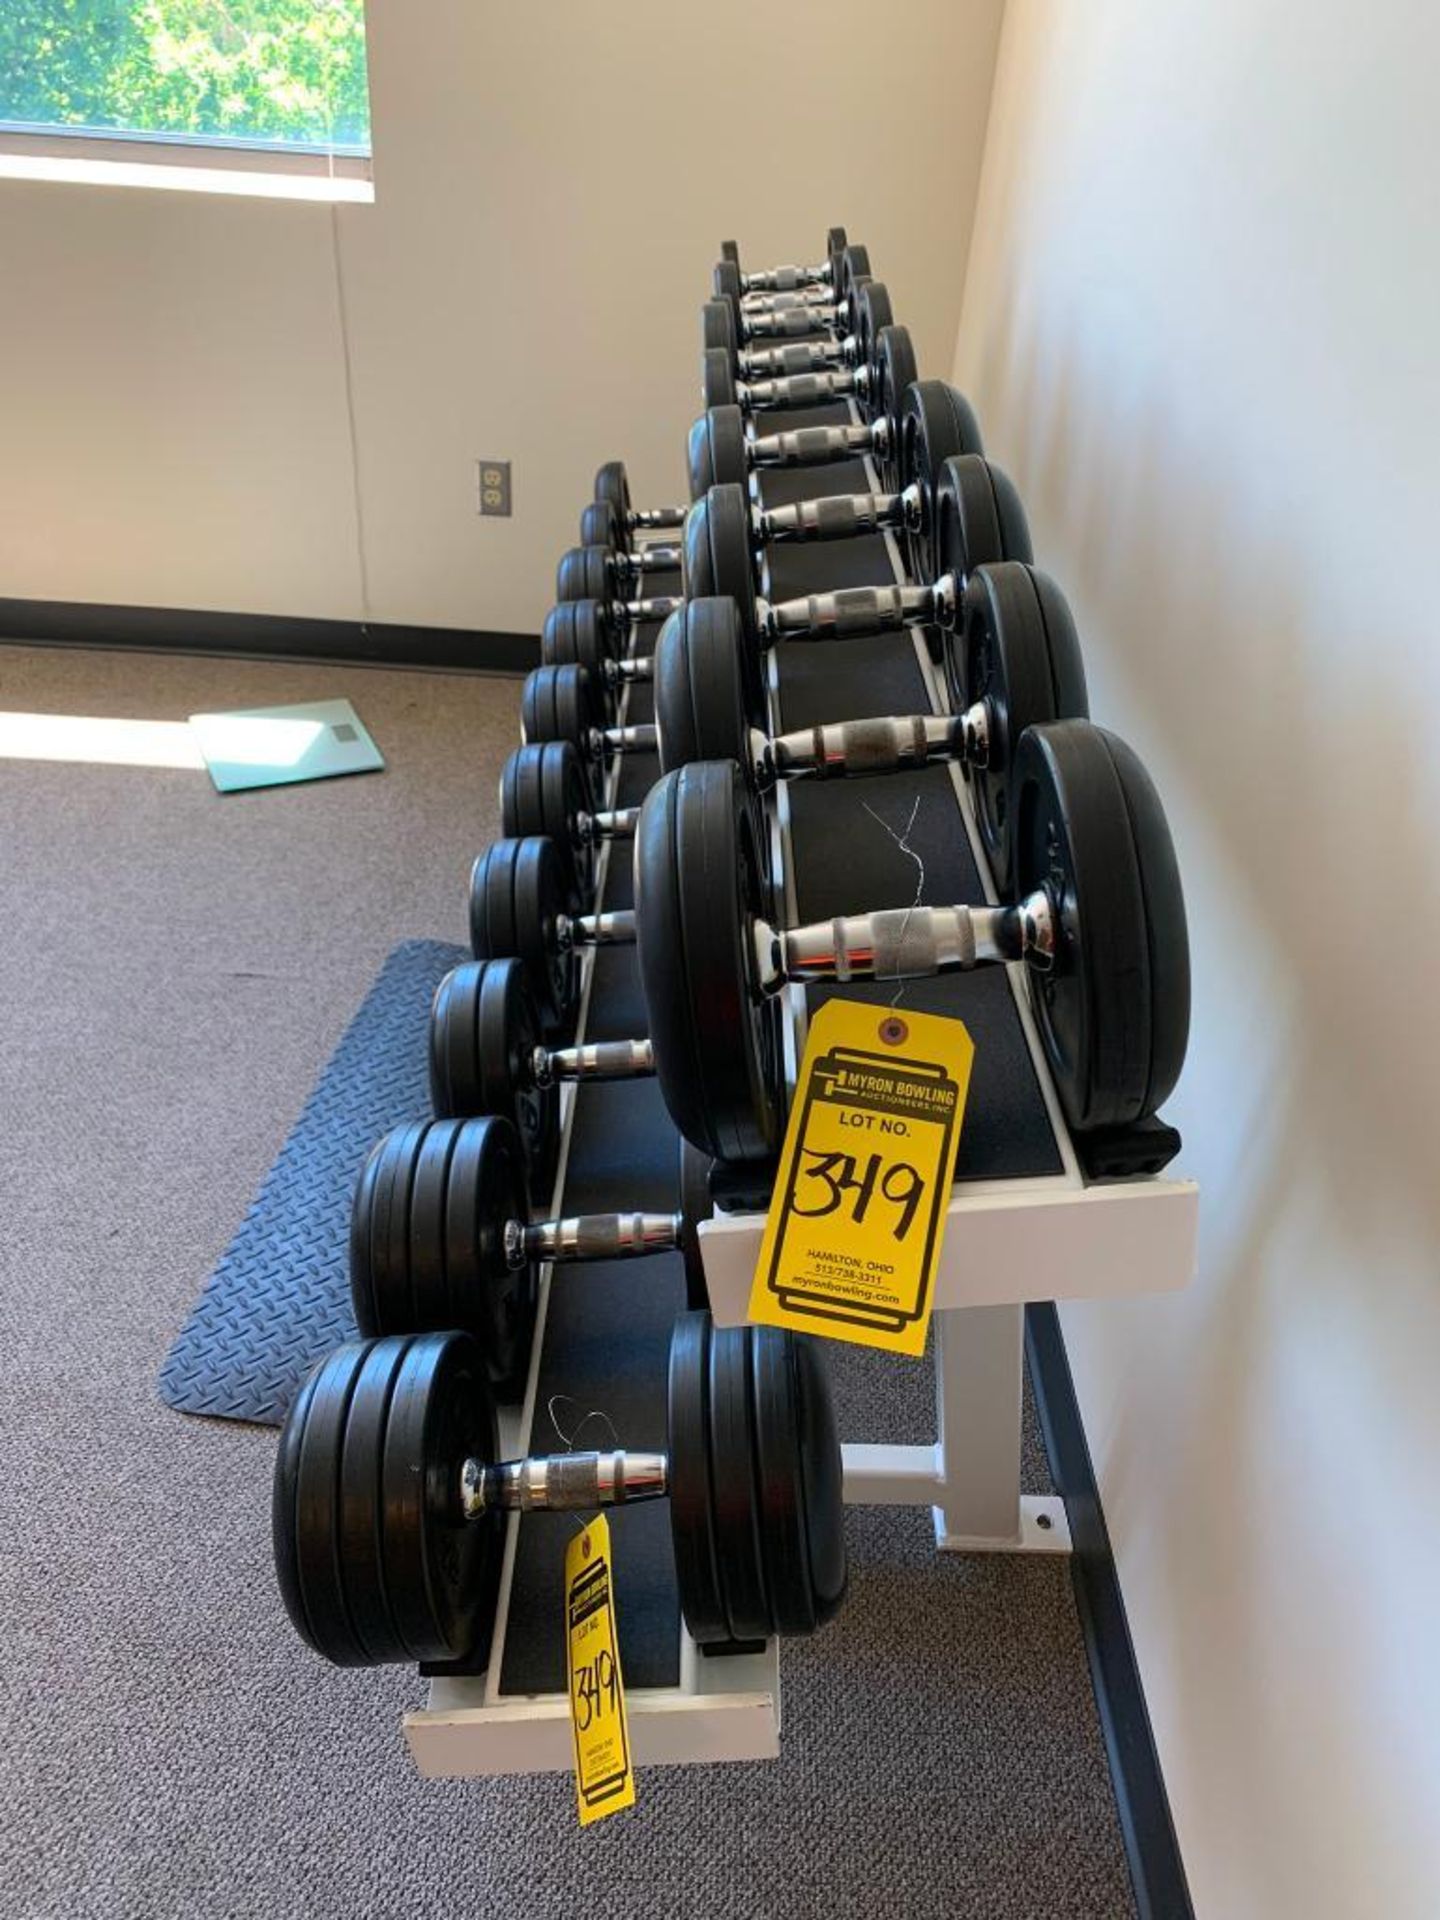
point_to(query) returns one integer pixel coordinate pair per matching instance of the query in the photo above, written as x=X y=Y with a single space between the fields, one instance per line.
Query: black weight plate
x=872 y=312
x=543 y=790
x=717 y=555
x=822 y=1474
x=780 y=1477
x=453 y=1088
x=692 y=1506
x=730 y=251
x=835 y=245
x=585 y=573
x=733 y=1466
x=715 y=451
x=362 y=1219
x=894 y=372
x=602 y=526
x=435 y=1561
x=493 y=1301
x=936 y=424
x=695 y=1206
x=361 y=1510
x=978 y=517
x=284 y=1517
x=578 y=631
x=717 y=379
x=718 y=330
x=518 y=890
x=1017 y=650
x=726 y=282
x=1090 y=828
x=317 y=1511
x=700 y=686
x=380 y=1215
x=429 y=1281
x=507 y=1033
x=698 y=885
x=543 y=892
x=561 y=703
x=854 y=265
x=565 y=802
x=613 y=484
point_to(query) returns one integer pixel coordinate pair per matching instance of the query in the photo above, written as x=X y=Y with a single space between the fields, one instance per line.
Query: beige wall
x=1201 y=322
x=553 y=182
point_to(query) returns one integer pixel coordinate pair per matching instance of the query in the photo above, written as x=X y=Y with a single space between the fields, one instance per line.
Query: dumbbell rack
x=1024 y=1224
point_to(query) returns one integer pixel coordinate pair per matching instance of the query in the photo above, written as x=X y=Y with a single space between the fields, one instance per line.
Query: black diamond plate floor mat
x=280 y=1297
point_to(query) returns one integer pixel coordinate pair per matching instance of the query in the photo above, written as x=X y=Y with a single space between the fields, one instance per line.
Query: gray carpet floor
x=174 y=971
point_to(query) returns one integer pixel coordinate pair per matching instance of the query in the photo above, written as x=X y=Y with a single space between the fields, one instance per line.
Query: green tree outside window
x=291 y=70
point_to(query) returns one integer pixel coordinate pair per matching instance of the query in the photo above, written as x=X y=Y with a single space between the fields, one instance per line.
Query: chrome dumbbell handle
x=633 y=668
x=651 y=559
x=655 y=519
x=906 y=943
x=850 y=748
x=603 y=741
x=793 y=321
x=786 y=279
x=841 y=517
x=600 y=1060
x=804 y=389
x=797 y=356
x=591 y=1236
x=607 y=823
x=615 y=929
x=860 y=610
x=659 y=606
x=562 y=1482
x=818 y=446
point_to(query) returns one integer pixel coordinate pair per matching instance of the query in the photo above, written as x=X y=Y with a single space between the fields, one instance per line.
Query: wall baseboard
x=265 y=636
x=1152 y=1849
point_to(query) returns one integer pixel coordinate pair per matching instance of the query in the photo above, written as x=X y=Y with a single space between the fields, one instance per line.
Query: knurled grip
x=787 y=323
x=853 y=610
x=573 y=1481
x=809 y=446
x=878 y=746
x=906 y=940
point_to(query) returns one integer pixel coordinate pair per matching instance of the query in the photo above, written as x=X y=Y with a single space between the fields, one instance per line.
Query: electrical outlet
x=492 y=485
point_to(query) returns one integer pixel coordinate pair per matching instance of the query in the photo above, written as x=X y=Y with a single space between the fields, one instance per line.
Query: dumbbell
x=1098 y=922
x=568 y=703
x=524 y=904
x=544 y=789
x=591 y=634
x=975 y=518
x=782 y=279
x=721 y=450
x=441 y=1235
x=389 y=1499
x=798 y=349
x=602 y=571
x=612 y=492
x=489 y=1055
x=1013 y=662
x=936 y=422
x=871 y=381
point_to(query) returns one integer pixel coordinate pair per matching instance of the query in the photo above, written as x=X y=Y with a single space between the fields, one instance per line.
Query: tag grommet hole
x=894 y=1031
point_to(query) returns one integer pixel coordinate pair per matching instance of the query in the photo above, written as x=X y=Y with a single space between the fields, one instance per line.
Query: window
x=234 y=87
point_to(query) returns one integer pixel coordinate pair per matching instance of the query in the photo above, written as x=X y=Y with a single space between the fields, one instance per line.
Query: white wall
x=553 y=182
x=1201 y=322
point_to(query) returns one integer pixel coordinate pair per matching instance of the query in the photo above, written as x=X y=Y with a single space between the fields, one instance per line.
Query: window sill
x=185 y=166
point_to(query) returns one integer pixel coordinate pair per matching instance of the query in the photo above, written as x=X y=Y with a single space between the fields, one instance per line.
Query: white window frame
x=184 y=162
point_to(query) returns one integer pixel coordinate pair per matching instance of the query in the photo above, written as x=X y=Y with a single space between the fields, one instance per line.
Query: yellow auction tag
x=604 y=1782
x=852 y=1239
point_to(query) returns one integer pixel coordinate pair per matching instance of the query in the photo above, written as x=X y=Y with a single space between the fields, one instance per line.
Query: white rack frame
x=1052 y=1237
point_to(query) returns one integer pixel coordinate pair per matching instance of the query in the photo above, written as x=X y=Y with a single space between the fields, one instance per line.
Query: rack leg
x=979 y=1373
